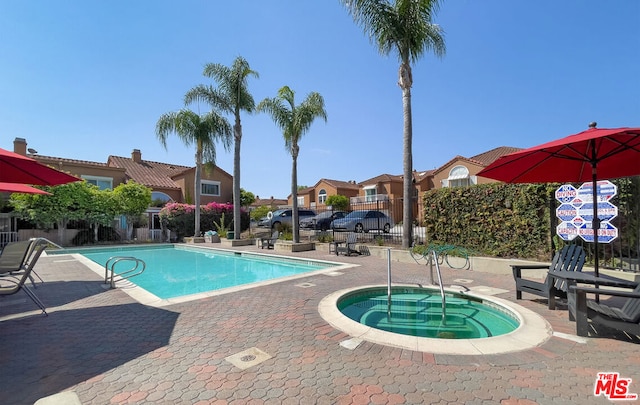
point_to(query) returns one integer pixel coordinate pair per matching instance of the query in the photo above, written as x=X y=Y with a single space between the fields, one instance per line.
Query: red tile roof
x=482 y=159
x=383 y=178
x=339 y=184
x=151 y=174
x=486 y=158
x=65 y=160
x=277 y=202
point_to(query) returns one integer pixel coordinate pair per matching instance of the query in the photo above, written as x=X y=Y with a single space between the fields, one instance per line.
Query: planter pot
x=192 y=239
x=287 y=246
x=238 y=242
x=212 y=239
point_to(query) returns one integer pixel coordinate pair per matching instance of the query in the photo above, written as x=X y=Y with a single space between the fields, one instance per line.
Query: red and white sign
x=576 y=211
x=614 y=387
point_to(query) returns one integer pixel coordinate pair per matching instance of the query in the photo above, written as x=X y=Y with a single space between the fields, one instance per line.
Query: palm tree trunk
x=294 y=194
x=405 y=82
x=237 y=129
x=197 y=191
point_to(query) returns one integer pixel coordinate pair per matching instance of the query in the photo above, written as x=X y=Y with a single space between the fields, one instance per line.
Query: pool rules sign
x=576 y=211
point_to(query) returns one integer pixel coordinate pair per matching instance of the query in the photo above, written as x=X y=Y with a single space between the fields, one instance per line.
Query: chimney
x=20 y=146
x=136 y=155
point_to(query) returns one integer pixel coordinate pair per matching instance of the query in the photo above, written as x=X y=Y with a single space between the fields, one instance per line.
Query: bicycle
x=443 y=253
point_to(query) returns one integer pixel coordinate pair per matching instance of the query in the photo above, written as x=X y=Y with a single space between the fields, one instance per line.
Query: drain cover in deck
x=248 y=358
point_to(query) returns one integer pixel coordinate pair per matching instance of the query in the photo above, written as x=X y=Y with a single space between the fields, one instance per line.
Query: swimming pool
x=176 y=271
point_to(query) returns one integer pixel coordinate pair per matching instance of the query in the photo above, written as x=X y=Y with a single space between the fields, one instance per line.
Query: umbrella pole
x=596 y=226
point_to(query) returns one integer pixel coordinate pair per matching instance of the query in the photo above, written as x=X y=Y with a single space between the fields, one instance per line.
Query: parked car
x=322 y=221
x=363 y=221
x=284 y=217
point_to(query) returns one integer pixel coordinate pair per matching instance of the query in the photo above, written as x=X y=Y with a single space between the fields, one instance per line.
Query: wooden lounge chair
x=349 y=245
x=569 y=258
x=12 y=282
x=625 y=318
x=270 y=241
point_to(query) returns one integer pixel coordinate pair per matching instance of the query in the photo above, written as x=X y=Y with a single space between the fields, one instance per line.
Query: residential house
x=274 y=203
x=168 y=182
x=315 y=197
x=385 y=192
x=461 y=171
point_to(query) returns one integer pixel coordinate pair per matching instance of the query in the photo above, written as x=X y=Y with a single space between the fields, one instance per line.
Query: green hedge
x=512 y=220
x=500 y=220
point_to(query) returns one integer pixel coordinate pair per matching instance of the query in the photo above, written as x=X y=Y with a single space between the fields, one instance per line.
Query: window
x=103 y=183
x=159 y=199
x=322 y=196
x=369 y=193
x=210 y=187
x=459 y=177
x=301 y=201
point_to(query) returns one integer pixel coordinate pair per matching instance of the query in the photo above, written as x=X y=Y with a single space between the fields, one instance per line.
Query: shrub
x=180 y=218
x=105 y=234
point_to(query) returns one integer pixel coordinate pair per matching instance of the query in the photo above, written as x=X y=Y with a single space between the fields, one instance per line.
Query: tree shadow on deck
x=45 y=355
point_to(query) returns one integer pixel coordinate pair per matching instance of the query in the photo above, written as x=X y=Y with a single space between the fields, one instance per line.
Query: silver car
x=322 y=221
x=364 y=221
x=284 y=217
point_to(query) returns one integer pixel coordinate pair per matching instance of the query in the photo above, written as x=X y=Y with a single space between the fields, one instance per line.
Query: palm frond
x=208 y=95
x=403 y=26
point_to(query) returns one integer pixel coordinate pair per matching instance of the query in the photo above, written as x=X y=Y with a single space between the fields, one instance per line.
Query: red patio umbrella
x=591 y=155
x=20 y=188
x=15 y=168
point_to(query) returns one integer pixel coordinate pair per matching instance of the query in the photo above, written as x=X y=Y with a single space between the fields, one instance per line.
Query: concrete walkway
x=269 y=345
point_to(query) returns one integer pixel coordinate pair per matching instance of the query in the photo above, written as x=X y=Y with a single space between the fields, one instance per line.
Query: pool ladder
x=434 y=260
x=110 y=275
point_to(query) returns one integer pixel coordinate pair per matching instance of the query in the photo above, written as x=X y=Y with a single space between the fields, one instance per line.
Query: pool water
x=177 y=271
x=418 y=312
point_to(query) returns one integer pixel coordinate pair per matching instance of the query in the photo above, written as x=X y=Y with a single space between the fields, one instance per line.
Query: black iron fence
x=623 y=253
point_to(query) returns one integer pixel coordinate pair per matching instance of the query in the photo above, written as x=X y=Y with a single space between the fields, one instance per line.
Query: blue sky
x=85 y=80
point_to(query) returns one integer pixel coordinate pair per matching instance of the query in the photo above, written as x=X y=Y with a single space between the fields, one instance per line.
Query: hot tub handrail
x=434 y=254
x=111 y=264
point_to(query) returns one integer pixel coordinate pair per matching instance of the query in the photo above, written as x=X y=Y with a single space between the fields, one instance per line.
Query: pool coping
x=145 y=297
x=533 y=331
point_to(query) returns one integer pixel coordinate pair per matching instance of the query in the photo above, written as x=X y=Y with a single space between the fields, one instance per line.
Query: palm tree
x=294 y=121
x=201 y=130
x=403 y=26
x=232 y=96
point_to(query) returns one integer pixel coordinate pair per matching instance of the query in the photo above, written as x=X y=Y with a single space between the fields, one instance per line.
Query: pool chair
x=16 y=255
x=270 y=241
x=625 y=318
x=349 y=245
x=569 y=258
x=13 y=281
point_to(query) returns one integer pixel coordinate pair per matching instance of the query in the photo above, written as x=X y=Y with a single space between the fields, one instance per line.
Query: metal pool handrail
x=134 y=271
x=444 y=301
x=433 y=254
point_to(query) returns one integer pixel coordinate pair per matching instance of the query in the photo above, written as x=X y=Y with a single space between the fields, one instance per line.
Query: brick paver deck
x=109 y=349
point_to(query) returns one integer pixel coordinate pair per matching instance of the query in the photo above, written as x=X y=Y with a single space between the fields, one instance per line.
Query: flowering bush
x=180 y=218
